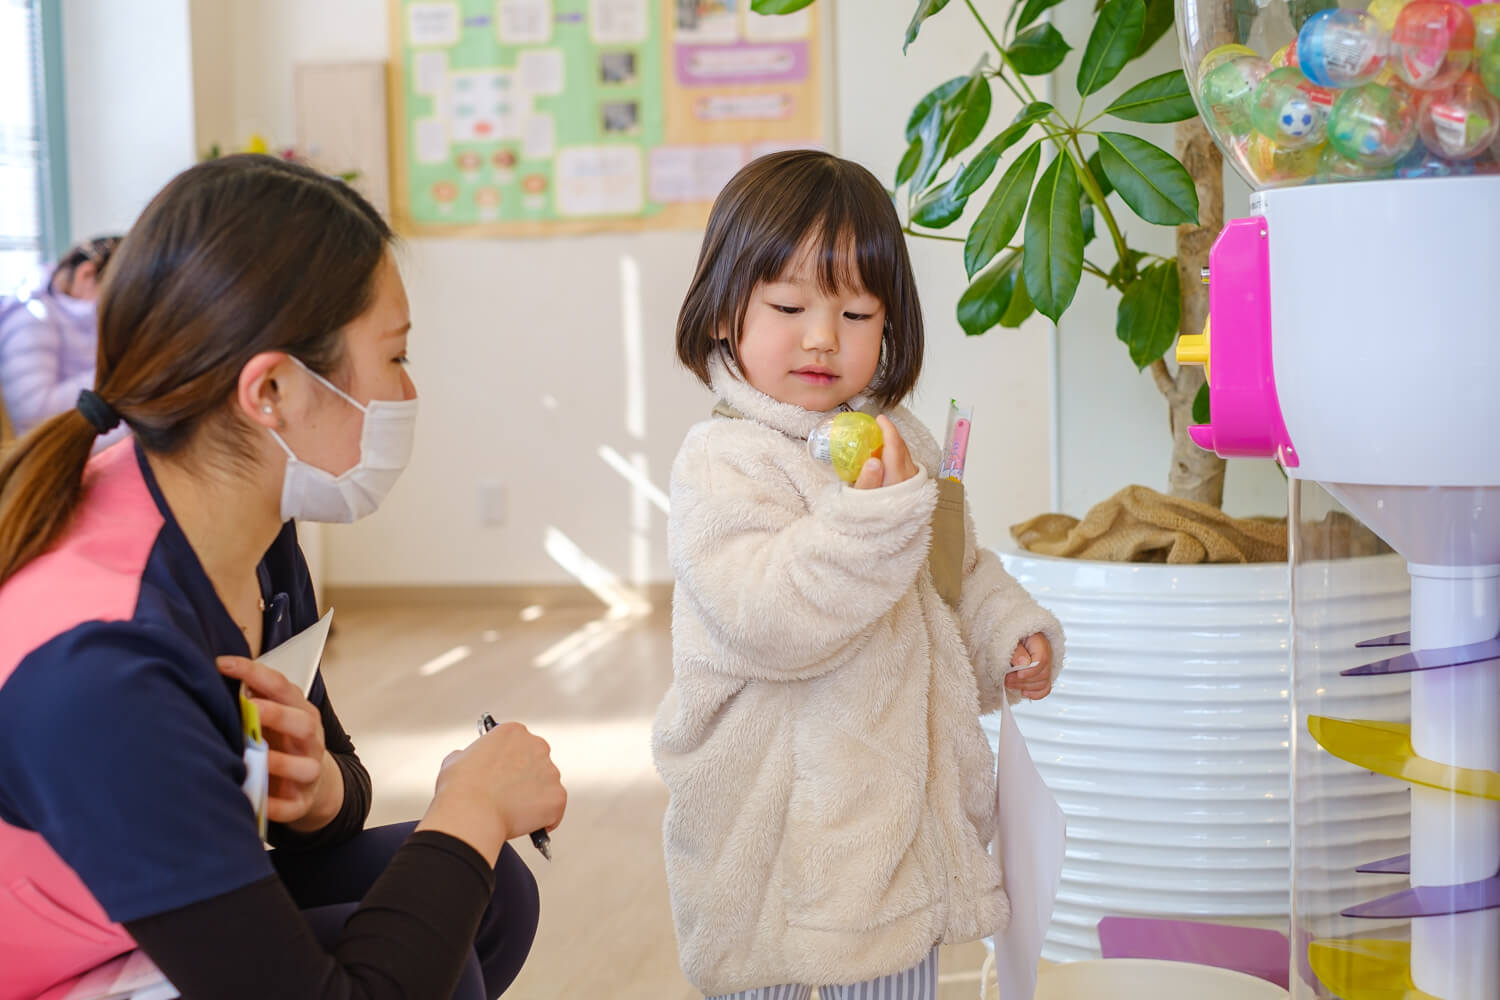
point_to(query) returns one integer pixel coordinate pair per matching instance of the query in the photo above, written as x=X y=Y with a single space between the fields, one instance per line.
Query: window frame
x=52 y=195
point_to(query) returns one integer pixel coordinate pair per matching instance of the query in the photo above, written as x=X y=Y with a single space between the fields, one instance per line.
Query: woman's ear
x=259 y=395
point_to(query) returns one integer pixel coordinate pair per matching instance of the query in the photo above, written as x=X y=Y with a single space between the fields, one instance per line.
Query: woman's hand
x=1031 y=682
x=501 y=786
x=894 y=465
x=306 y=787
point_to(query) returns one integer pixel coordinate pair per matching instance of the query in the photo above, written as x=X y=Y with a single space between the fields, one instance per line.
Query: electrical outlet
x=493 y=504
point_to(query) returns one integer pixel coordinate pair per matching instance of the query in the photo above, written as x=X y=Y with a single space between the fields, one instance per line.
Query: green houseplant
x=1044 y=180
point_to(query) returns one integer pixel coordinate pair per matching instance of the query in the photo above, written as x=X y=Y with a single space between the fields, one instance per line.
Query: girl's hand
x=306 y=786
x=1031 y=682
x=895 y=464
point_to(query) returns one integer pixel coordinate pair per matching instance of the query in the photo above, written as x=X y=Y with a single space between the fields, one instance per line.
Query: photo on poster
x=620 y=117
x=707 y=21
x=618 y=69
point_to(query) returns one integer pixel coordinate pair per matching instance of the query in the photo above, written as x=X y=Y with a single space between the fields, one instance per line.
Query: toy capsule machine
x=1354 y=336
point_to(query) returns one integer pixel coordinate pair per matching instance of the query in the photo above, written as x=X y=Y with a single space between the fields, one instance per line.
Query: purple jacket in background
x=48 y=343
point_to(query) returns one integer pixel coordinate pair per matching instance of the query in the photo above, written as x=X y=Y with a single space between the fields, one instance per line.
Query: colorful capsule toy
x=1290 y=110
x=1334 y=166
x=1273 y=164
x=1486 y=24
x=1342 y=48
x=1432 y=43
x=1386 y=11
x=1489 y=67
x=1460 y=122
x=1374 y=125
x=1227 y=78
x=846 y=441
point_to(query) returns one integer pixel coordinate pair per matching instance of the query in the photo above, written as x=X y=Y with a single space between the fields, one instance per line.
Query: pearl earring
x=266 y=409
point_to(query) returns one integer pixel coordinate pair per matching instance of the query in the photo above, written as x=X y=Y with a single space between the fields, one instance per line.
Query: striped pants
x=919 y=983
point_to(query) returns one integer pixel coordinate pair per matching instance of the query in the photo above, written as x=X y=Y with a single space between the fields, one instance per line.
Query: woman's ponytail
x=41 y=482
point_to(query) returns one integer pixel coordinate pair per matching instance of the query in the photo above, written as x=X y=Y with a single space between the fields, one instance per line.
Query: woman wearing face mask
x=253 y=338
x=48 y=341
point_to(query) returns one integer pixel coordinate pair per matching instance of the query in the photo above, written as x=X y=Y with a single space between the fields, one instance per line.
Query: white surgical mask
x=313 y=494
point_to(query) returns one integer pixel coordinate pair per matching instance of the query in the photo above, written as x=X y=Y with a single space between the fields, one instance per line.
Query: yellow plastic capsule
x=846 y=441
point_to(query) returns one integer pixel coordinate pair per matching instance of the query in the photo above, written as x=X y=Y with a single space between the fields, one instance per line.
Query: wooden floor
x=409 y=681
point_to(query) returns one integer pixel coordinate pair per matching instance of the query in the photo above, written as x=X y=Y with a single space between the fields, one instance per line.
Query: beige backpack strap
x=946 y=557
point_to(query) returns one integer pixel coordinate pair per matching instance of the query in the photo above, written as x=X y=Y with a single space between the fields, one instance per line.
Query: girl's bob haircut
x=836 y=210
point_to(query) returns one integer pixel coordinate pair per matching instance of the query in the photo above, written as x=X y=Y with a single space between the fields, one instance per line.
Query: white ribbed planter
x=1166 y=738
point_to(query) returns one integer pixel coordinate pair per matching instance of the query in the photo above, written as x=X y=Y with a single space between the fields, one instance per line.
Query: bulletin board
x=546 y=117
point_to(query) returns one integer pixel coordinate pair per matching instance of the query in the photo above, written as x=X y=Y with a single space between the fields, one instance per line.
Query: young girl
x=832 y=794
x=49 y=339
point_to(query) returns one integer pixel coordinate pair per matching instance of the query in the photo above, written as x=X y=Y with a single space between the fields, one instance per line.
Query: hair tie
x=100 y=415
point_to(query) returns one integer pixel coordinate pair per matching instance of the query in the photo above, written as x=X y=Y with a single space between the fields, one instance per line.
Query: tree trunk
x=1196 y=474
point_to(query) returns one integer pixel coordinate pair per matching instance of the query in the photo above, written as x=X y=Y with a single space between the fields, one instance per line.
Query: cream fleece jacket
x=832 y=794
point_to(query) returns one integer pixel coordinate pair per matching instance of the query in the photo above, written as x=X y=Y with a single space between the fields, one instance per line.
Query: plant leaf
x=1112 y=44
x=941 y=206
x=1035 y=9
x=908 y=166
x=929 y=162
x=952 y=125
x=972 y=177
x=1201 y=413
x=1053 y=258
x=989 y=157
x=1146 y=320
x=1020 y=308
x=987 y=300
x=1100 y=177
x=1038 y=50
x=973 y=103
x=778 y=6
x=1032 y=113
x=1001 y=216
x=1150 y=180
x=1086 y=220
x=925 y=9
x=1159 y=20
x=1161 y=99
x=936 y=96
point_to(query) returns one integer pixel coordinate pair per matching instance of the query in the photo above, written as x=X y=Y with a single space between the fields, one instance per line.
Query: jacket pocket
x=853 y=858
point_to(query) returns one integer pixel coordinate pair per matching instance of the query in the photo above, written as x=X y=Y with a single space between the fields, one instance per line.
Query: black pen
x=538 y=837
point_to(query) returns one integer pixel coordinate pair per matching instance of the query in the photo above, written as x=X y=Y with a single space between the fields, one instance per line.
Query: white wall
x=531 y=355
x=1113 y=422
x=128 y=82
x=212 y=39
